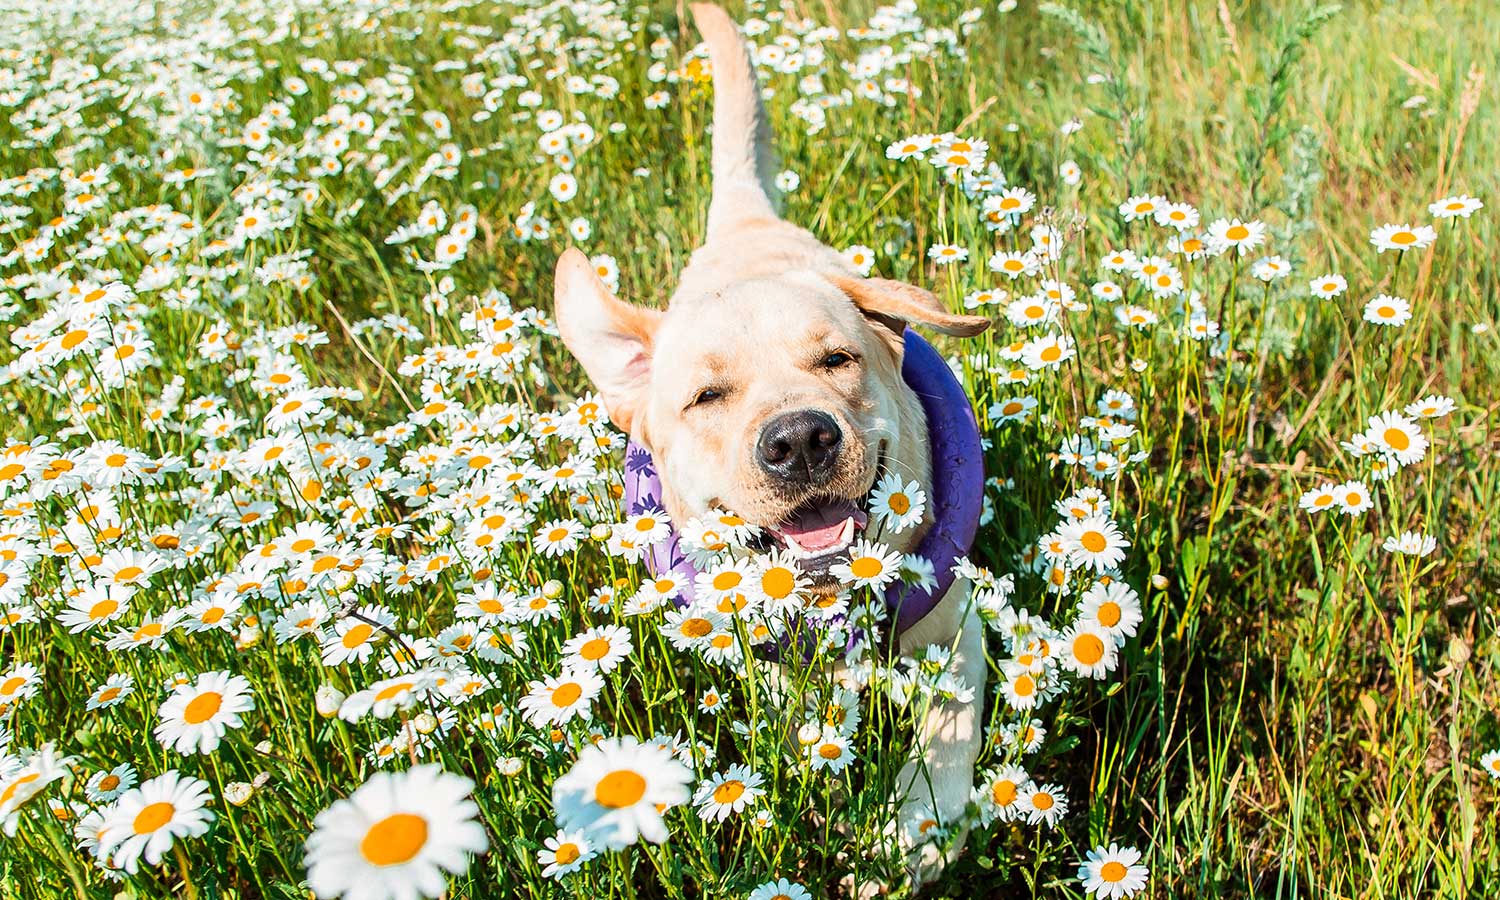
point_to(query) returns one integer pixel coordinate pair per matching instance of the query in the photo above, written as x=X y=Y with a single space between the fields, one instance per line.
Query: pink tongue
x=819 y=528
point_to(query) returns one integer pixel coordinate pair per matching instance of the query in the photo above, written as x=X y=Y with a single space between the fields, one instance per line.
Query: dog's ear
x=611 y=338
x=896 y=304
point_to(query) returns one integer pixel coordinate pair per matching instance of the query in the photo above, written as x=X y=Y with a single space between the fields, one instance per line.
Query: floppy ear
x=894 y=304
x=612 y=339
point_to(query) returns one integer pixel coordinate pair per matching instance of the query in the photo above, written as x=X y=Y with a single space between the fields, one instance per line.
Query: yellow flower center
x=1003 y=793
x=619 y=789
x=566 y=694
x=394 y=839
x=1088 y=649
x=729 y=791
x=778 y=583
x=203 y=707
x=153 y=817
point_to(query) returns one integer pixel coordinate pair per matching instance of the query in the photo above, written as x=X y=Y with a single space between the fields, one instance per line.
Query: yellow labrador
x=771 y=385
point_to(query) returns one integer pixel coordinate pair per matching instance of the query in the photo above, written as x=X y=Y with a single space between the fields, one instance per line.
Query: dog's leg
x=938 y=780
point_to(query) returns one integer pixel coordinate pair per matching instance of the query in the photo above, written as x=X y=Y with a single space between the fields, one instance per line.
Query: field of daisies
x=315 y=575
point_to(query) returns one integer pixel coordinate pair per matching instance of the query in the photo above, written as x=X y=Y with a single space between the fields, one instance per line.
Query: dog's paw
x=924 y=843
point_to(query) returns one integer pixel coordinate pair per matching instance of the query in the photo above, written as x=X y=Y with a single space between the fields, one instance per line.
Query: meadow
x=314 y=574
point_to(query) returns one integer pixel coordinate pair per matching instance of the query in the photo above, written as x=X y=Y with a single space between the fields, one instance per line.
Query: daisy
x=147 y=820
x=1021 y=691
x=1047 y=352
x=558 y=537
x=1015 y=265
x=1387 y=310
x=1354 y=498
x=1326 y=287
x=385 y=697
x=1109 y=873
x=910 y=148
x=1243 y=237
x=870 y=565
x=1461 y=205
x=618 y=789
x=1043 y=804
x=354 y=637
x=1141 y=206
x=1433 y=406
x=862 y=258
x=1088 y=650
x=1093 y=541
x=558 y=699
x=830 y=750
x=780 y=579
x=1180 y=216
x=98 y=604
x=196 y=716
x=398 y=836
x=1319 y=499
x=102 y=787
x=1113 y=606
x=998 y=795
x=1491 y=763
x=898 y=505
x=780 y=889
x=725 y=583
x=601 y=648
x=564 y=853
x=1402 y=237
x=1398 y=437
x=114 y=691
x=23 y=778
x=947 y=254
x=19 y=683
x=1012 y=409
x=1410 y=543
x=727 y=793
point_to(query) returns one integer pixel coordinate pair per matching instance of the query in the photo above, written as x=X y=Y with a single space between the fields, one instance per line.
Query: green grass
x=1302 y=713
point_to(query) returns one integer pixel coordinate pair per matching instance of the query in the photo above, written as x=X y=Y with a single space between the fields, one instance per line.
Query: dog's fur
x=758 y=310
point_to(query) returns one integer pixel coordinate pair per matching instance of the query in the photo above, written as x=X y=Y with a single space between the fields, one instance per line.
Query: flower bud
x=327 y=700
x=238 y=793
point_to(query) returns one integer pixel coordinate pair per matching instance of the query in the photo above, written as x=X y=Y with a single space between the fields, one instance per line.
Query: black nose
x=800 y=447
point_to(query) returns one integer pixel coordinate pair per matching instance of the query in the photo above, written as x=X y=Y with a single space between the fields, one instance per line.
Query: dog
x=771 y=385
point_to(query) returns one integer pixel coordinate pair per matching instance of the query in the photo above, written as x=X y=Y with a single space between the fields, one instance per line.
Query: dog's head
x=780 y=398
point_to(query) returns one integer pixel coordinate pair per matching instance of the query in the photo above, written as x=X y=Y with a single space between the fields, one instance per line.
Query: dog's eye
x=707 y=395
x=836 y=360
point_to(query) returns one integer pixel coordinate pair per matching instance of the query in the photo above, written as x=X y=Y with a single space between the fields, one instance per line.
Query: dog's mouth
x=819 y=528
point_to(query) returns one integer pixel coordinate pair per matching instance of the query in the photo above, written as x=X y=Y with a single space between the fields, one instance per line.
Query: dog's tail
x=742 y=158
